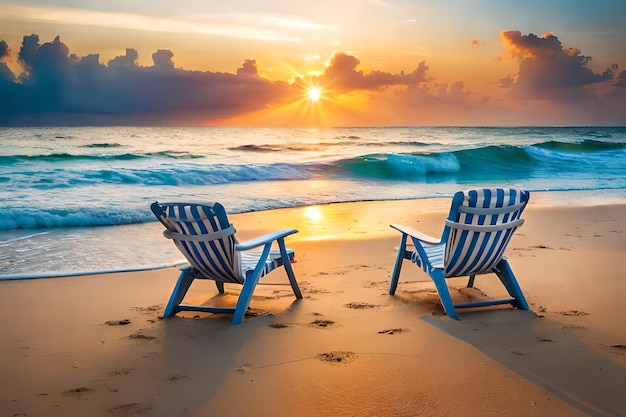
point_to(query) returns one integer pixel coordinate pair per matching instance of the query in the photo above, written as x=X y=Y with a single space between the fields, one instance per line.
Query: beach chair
x=207 y=239
x=477 y=231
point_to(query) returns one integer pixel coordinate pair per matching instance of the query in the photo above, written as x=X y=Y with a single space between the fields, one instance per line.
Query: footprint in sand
x=361 y=306
x=122 y=322
x=337 y=357
x=376 y=284
x=130 y=408
x=154 y=312
x=321 y=324
x=277 y=325
x=242 y=369
x=255 y=313
x=575 y=327
x=544 y=339
x=140 y=336
x=393 y=331
x=317 y=291
x=177 y=377
x=540 y=247
x=615 y=349
x=150 y=310
x=122 y=371
x=77 y=392
x=572 y=313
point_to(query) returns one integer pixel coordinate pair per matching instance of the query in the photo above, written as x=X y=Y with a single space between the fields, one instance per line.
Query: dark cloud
x=342 y=75
x=249 y=68
x=57 y=87
x=28 y=51
x=162 y=59
x=6 y=75
x=619 y=93
x=5 y=51
x=130 y=59
x=547 y=70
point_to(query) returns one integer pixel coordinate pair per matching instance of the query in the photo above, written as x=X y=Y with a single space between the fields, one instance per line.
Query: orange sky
x=377 y=62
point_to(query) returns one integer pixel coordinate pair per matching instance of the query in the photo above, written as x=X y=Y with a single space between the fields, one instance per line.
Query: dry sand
x=97 y=346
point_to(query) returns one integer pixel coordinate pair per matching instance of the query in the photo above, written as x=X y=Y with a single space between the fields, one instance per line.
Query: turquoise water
x=72 y=195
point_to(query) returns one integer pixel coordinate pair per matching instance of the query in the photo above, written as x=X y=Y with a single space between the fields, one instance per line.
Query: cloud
x=619 y=93
x=548 y=71
x=28 y=51
x=163 y=59
x=4 y=50
x=6 y=74
x=553 y=86
x=412 y=89
x=248 y=69
x=56 y=86
x=254 y=26
x=129 y=59
x=341 y=75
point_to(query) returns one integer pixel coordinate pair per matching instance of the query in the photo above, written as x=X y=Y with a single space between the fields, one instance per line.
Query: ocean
x=76 y=200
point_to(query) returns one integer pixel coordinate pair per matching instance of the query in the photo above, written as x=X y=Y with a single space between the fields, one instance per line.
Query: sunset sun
x=314 y=94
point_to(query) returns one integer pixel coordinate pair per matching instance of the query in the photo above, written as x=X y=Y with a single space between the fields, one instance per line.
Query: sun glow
x=314 y=94
x=309 y=104
x=314 y=214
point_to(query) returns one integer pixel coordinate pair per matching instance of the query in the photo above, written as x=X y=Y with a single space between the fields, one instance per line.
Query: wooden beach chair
x=207 y=239
x=477 y=231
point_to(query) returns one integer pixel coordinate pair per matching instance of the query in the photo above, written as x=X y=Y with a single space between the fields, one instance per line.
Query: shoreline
x=150 y=233
x=99 y=347
x=66 y=274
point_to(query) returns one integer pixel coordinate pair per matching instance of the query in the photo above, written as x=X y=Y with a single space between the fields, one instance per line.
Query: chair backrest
x=479 y=227
x=204 y=236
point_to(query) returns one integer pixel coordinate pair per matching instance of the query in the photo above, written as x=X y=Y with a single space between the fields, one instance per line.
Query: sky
x=321 y=63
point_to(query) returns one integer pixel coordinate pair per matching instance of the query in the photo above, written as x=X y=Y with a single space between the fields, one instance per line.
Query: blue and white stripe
x=481 y=229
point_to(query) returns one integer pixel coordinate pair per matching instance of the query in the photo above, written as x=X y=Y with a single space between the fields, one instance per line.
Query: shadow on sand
x=547 y=354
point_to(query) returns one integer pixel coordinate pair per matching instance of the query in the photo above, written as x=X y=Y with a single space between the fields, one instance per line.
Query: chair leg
x=506 y=275
x=444 y=294
x=184 y=282
x=220 y=286
x=248 y=287
x=289 y=269
x=398 y=265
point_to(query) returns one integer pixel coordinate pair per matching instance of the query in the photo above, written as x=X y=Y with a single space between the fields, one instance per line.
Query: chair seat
x=249 y=261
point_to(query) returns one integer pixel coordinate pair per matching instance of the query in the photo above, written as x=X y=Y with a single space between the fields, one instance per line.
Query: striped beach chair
x=204 y=235
x=478 y=229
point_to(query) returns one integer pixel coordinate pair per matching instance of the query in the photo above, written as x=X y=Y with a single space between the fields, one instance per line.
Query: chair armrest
x=417 y=235
x=265 y=239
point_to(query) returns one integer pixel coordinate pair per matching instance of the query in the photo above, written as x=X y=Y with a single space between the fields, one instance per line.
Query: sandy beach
x=98 y=346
